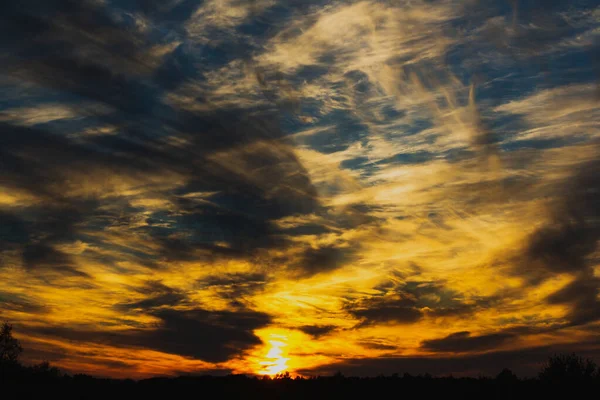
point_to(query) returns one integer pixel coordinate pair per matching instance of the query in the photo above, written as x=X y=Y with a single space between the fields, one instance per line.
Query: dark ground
x=43 y=381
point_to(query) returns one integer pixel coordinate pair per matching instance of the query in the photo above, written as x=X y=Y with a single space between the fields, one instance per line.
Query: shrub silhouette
x=567 y=368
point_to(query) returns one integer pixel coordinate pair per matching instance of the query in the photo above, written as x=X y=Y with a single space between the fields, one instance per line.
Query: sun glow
x=275 y=360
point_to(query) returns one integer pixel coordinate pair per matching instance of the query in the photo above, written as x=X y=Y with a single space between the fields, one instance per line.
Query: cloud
x=377 y=345
x=210 y=336
x=571 y=233
x=566 y=112
x=235 y=287
x=13 y=231
x=37 y=115
x=236 y=156
x=581 y=296
x=45 y=257
x=525 y=362
x=316 y=331
x=214 y=336
x=323 y=259
x=463 y=342
x=221 y=16
x=363 y=36
x=390 y=309
x=157 y=295
x=565 y=242
x=233 y=280
x=401 y=301
x=20 y=303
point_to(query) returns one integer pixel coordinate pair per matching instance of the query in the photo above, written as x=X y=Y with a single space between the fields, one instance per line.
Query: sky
x=229 y=186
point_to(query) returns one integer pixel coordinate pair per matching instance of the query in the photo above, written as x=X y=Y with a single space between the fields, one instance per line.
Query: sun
x=274 y=361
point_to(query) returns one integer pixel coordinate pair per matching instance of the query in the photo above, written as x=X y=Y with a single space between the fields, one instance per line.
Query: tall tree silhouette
x=10 y=348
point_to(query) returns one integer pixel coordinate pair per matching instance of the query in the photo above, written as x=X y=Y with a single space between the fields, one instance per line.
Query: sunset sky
x=236 y=186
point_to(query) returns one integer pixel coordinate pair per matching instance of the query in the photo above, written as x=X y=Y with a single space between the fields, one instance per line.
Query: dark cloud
x=204 y=372
x=158 y=295
x=35 y=231
x=37 y=352
x=400 y=312
x=565 y=243
x=460 y=342
x=524 y=362
x=235 y=287
x=385 y=309
x=323 y=259
x=525 y=31
x=20 y=303
x=316 y=331
x=45 y=257
x=400 y=301
x=98 y=55
x=307 y=229
x=377 y=345
x=581 y=296
x=233 y=279
x=12 y=231
x=439 y=301
x=559 y=248
x=213 y=336
x=92 y=58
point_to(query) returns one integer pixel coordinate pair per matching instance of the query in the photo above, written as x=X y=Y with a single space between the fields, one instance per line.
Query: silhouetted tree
x=507 y=377
x=338 y=375
x=10 y=348
x=284 y=375
x=567 y=368
x=46 y=370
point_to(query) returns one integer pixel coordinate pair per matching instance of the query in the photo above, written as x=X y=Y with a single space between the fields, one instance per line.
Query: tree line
x=562 y=376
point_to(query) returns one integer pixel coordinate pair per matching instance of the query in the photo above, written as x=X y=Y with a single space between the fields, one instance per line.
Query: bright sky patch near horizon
x=191 y=187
